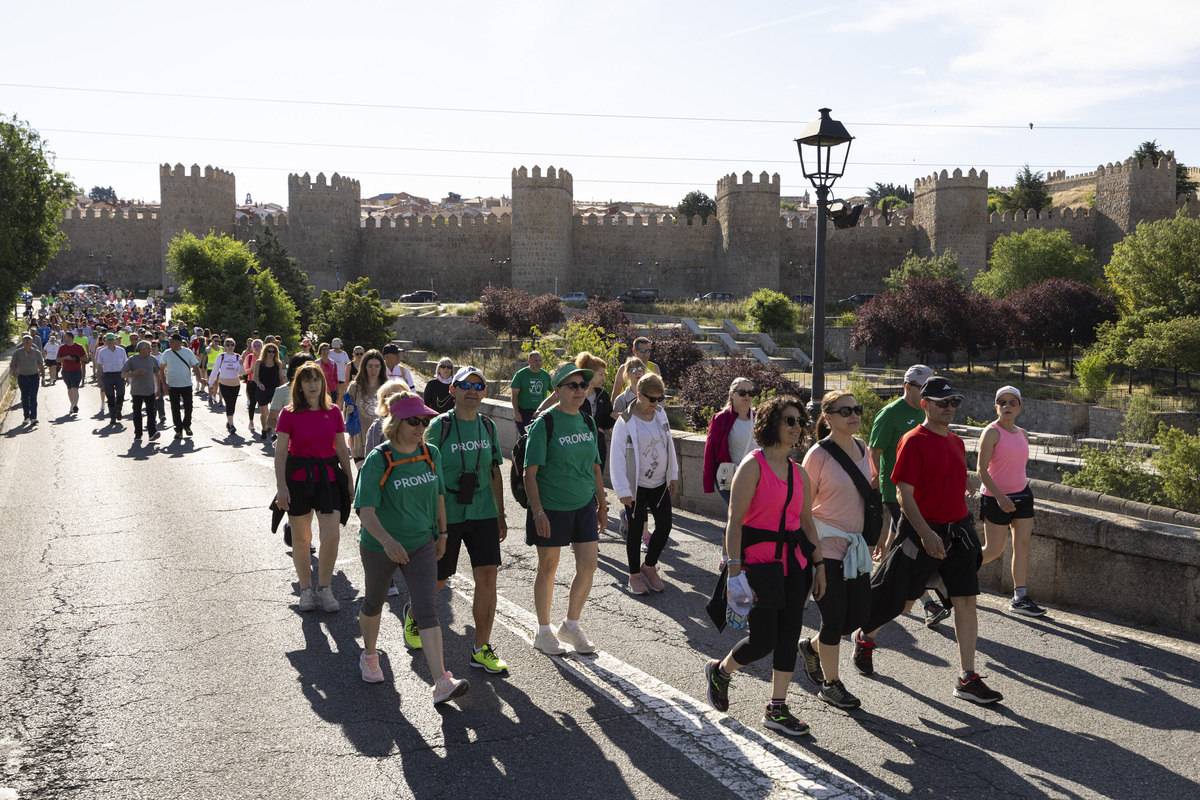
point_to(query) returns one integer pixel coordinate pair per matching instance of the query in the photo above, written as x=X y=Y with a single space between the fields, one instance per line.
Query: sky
x=640 y=101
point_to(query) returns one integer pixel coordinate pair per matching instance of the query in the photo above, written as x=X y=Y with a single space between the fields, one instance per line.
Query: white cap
x=1009 y=390
x=466 y=372
x=918 y=374
x=336 y=343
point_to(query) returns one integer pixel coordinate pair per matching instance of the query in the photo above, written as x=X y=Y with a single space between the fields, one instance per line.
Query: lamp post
x=252 y=245
x=823 y=136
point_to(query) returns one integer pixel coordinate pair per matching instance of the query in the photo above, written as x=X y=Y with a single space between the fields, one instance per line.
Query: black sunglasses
x=652 y=398
x=949 y=401
x=793 y=421
x=846 y=411
x=744 y=392
x=478 y=386
x=574 y=386
x=415 y=421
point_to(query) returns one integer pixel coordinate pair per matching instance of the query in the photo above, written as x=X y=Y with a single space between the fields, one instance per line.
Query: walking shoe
x=448 y=687
x=328 y=601
x=74 y=409
x=485 y=658
x=836 y=695
x=718 y=685
x=188 y=431
x=637 y=584
x=412 y=634
x=548 y=643
x=576 y=638
x=371 y=673
x=178 y=435
x=137 y=437
x=812 y=662
x=779 y=718
x=975 y=690
x=862 y=654
x=651 y=575
x=154 y=435
x=308 y=599
x=623 y=528
x=1026 y=607
x=645 y=543
x=393 y=591
x=935 y=612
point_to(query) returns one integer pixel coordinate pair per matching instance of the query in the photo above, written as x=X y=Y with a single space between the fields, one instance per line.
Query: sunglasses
x=478 y=386
x=637 y=369
x=652 y=398
x=846 y=411
x=358 y=352
x=949 y=401
x=1014 y=403
x=574 y=386
x=642 y=349
x=744 y=392
x=258 y=347
x=415 y=421
x=793 y=421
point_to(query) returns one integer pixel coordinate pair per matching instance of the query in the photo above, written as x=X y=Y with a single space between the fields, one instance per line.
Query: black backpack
x=516 y=474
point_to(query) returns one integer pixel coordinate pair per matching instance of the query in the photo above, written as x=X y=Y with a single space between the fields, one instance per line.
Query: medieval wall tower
x=748 y=215
x=1127 y=194
x=950 y=212
x=323 y=227
x=194 y=203
x=541 y=230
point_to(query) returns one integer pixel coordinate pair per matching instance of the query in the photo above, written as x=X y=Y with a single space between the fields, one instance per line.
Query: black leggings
x=251 y=401
x=777 y=630
x=845 y=604
x=656 y=501
x=229 y=396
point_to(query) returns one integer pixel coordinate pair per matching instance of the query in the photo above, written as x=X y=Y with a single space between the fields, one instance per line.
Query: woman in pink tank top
x=1006 y=502
x=758 y=504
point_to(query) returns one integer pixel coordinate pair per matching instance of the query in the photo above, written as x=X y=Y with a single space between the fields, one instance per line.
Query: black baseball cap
x=938 y=388
x=391 y=349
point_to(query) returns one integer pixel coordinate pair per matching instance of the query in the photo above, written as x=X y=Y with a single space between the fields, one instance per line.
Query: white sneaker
x=448 y=687
x=308 y=599
x=576 y=638
x=548 y=643
x=328 y=601
x=393 y=591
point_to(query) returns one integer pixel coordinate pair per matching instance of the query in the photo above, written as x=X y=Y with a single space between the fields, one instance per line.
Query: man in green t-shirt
x=891 y=423
x=471 y=460
x=529 y=387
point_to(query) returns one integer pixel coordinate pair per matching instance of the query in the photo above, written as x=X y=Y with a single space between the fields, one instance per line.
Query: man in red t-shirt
x=937 y=535
x=72 y=357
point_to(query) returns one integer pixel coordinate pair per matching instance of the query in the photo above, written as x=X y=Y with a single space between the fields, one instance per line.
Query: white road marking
x=747 y=762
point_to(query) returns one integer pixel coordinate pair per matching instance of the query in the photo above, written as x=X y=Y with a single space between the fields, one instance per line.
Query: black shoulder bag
x=767 y=579
x=872 y=501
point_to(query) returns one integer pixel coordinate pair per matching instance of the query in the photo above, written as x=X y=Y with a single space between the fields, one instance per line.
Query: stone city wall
x=132 y=239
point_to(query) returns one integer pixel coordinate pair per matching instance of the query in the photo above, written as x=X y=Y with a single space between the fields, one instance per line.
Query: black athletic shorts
x=73 y=379
x=990 y=510
x=964 y=555
x=482 y=538
x=566 y=527
x=305 y=498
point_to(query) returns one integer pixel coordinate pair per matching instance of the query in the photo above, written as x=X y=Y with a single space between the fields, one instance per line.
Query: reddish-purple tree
x=675 y=353
x=512 y=312
x=1047 y=313
x=704 y=389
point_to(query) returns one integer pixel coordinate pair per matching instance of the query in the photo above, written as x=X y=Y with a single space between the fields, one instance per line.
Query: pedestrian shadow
x=68 y=417
x=178 y=448
x=139 y=451
x=109 y=430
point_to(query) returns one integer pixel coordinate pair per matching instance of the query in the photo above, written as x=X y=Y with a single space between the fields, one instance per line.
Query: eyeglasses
x=478 y=386
x=574 y=386
x=358 y=352
x=1014 y=403
x=651 y=398
x=846 y=411
x=642 y=349
x=949 y=401
x=415 y=421
x=793 y=421
x=445 y=367
x=744 y=392
x=636 y=369
x=258 y=347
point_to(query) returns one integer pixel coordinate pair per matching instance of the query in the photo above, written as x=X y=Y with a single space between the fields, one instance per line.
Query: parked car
x=419 y=296
x=82 y=288
x=801 y=299
x=574 y=297
x=638 y=296
x=716 y=297
x=857 y=299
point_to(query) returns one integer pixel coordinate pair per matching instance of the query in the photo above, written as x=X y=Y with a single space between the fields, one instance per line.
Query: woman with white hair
x=438 y=394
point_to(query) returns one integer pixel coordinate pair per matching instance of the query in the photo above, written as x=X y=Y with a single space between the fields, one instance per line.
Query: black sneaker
x=718 y=685
x=779 y=718
x=975 y=690
x=836 y=695
x=812 y=662
x=188 y=431
x=862 y=654
x=935 y=612
x=1026 y=607
x=154 y=435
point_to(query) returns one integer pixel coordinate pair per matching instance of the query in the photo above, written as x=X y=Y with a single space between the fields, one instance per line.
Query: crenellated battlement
x=945 y=180
x=633 y=221
x=488 y=223
x=1048 y=215
x=210 y=173
x=533 y=178
x=765 y=183
x=255 y=222
x=108 y=216
x=337 y=183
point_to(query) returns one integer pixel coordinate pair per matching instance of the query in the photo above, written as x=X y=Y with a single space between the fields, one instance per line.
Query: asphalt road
x=153 y=648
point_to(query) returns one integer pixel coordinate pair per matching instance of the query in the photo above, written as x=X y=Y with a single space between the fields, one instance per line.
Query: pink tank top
x=766 y=508
x=1007 y=467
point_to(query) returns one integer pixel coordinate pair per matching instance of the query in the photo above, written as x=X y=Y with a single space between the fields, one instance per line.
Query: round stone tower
x=323 y=227
x=541 y=229
x=194 y=203
x=748 y=215
x=950 y=212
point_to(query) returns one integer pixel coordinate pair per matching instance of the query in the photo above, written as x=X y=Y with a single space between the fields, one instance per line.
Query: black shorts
x=566 y=527
x=893 y=510
x=964 y=555
x=482 y=538
x=73 y=379
x=990 y=511
x=303 y=499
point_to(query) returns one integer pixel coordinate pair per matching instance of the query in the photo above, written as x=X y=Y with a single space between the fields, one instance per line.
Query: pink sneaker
x=637 y=584
x=651 y=575
x=448 y=687
x=371 y=673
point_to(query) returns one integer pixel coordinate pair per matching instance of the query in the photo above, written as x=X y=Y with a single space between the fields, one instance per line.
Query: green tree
x=1022 y=259
x=889 y=204
x=1029 y=193
x=882 y=190
x=100 y=194
x=1158 y=267
x=1170 y=344
x=1151 y=150
x=932 y=267
x=694 y=203
x=353 y=314
x=454 y=197
x=215 y=277
x=273 y=256
x=789 y=206
x=1178 y=462
x=32 y=198
x=772 y=311
x=1116 y=470
x=1093 y=376
x=866 y=396
x=577 y=337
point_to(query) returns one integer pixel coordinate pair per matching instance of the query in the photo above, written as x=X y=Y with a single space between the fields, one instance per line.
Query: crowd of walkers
x=863 y=528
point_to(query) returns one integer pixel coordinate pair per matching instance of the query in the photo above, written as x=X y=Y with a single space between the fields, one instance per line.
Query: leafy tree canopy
x=883 y=190
x=1029 y=193
x=514 y=313
x=694 y=203
x=932 y=267
x=1023 y=259
x=772 y=311
x=705 y=389
x=354 y=315
x=1171 y=344
x=1048 y=312
x=453 y=197
x=786 y=206
x=32 y=198
x=273 y=256
x=100 y=194
x=1158 y=267
x=1151 y=150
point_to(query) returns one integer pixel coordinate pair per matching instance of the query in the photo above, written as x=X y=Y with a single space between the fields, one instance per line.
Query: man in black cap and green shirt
x=936 y=535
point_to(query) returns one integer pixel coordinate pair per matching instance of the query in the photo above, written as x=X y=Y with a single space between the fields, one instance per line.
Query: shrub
x=610 y=316
x=576 y=337
x=1141 y=424
x=1178 y=462
x=705 y=389
x=353 y=314
x=1116 y=471
x=675 y=353
x=868 y=398
x=1092 y=374
x=514 y=313
x=771 y=311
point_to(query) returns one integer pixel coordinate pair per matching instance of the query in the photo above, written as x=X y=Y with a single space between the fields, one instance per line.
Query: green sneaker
x=412 y=634
x=485 y=658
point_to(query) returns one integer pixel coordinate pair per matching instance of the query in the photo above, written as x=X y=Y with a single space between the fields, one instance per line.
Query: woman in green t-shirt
x=401 y=501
